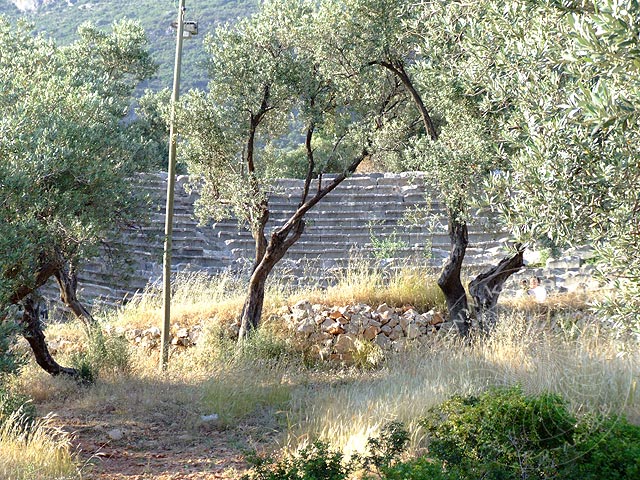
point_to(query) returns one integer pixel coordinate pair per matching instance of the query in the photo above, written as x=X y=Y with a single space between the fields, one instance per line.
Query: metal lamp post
x=184 y=29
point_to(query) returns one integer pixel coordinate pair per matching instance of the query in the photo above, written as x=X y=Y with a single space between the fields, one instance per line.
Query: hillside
x=60 y=19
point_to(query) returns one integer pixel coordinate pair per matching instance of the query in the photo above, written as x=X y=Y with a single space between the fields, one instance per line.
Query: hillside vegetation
x=60 y=20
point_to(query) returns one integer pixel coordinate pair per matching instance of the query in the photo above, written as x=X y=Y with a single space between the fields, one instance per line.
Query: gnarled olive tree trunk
x=486 y=288
x=276 y=248
x=33 y=333
x=67 y=280
x=283 y=238
x=24 y=295
x=449 y=280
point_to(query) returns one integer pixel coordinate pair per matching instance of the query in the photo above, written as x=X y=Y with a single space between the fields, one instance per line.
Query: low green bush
x=604 y=448
x=314 y=462
x=12 y=404
x=387 y=446
x=104 y=354
x=419 y=469
x=504 y=434
x=501 y=434
x=10 y=361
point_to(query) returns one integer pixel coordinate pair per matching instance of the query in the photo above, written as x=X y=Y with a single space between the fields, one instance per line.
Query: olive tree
x=65 y=173
x=443 y=129
x=573 y=178
x=272 y=73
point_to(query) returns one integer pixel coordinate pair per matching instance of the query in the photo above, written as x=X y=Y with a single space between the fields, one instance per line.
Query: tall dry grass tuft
x=362 y=283
x=198 y=298
x=593 y=372
x=195 y=296
x=42 y=451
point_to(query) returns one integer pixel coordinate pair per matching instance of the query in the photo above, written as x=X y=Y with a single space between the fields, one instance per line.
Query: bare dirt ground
x=155 y=449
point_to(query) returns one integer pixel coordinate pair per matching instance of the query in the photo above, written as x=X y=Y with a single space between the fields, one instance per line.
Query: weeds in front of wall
x=387 y=246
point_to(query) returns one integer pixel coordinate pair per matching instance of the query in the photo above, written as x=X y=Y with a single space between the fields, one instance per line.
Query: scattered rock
x=385 y=312
x=307 y=326
x=209 y=418
x=344 y=343
x=412 y=331
x=182 y=333
x=115 y=434
x=336 y=329
x=371 y=332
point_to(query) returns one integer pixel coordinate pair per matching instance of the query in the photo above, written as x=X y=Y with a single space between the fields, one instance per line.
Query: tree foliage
x=65 y=178
x=272 y=73
x=567 y=73
x=65 y=157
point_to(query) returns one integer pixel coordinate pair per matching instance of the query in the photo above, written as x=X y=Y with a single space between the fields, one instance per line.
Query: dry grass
x=592 y=372
x=40 y=452
x=199 y=298
x=195 y=297
x=361 y=284
x=540 y=347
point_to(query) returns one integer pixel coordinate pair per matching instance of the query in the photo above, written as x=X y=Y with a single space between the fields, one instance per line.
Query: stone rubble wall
x=325 y=332
x=363 y=218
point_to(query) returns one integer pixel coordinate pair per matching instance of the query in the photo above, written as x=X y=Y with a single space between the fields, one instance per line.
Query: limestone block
x=396 y=332
x=306 y=326
x=336 y=329
x=384 y=312
x=405 y=321
x=344 y=343
x=412 y=331
x=371 y=332
x=327 y=324
x=383 y=342
x=373 y=323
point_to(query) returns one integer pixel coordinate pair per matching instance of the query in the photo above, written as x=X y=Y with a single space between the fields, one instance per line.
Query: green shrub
x=504 y=434
x=16 y=404
x=419 y=469
x=319 y=462
x=315 y=462
x=103 y=354
x=501 y=434
x=386 y=447
x=10 y=362
x=367 y=355
x=608 y=448
x=265 y=345
x=82 y=364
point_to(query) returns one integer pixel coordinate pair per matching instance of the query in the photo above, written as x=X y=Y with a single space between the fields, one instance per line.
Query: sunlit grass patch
x=42 y=451
x=593 y=372
x=236 y=393
x=363 y=283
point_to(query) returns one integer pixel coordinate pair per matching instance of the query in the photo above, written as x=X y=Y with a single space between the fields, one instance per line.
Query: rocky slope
x=61 y=18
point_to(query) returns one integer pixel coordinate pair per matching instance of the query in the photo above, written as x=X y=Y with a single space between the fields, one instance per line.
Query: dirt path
x=110 y=448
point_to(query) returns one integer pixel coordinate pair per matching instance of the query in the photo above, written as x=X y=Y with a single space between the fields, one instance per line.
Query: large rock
x=396 y=332
x=384 y=312
x=383 y=342
x=306 y=326
x=301 y=310
x=344 y=343
x=412 y=331
x=115 y=434
x=370 y=333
